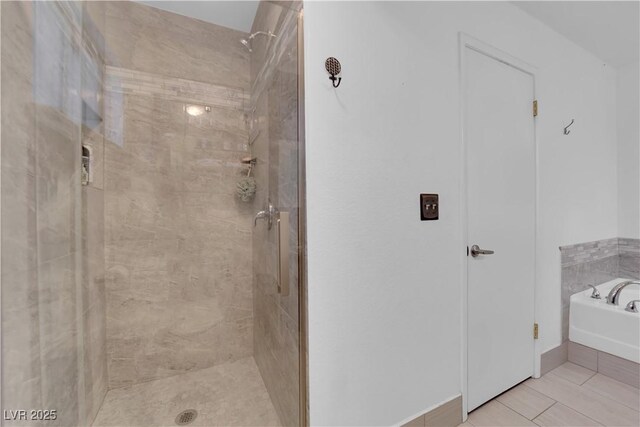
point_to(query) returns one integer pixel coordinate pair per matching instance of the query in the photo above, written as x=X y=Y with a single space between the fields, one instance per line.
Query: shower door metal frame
x=468 y=42
x=302 y=235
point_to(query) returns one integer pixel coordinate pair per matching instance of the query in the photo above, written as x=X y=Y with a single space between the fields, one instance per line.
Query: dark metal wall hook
x=333 y=67
x=566 y=129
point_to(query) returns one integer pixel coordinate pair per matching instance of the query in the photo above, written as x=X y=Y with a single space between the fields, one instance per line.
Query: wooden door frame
x=468 y=42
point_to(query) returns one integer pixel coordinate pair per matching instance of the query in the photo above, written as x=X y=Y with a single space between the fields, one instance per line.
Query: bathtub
x=605 y=327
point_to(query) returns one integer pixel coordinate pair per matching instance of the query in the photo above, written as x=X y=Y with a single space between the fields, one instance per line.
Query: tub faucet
x=632 y=307
x=614 y=295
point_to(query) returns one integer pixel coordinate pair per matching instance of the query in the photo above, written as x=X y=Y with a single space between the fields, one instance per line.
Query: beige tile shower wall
x=59 y=262
x=274 y=97
x=20 y=335
x=92 y=216
x=178 y=241
x=147 y=39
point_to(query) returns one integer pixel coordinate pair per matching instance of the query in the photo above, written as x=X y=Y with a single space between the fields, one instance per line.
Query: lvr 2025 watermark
x=30 y=414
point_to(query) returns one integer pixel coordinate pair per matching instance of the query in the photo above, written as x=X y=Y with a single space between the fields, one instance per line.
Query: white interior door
x=500 y=159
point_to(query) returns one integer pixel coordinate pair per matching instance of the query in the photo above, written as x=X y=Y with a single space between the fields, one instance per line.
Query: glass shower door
x=52 y=310
x=276 y=143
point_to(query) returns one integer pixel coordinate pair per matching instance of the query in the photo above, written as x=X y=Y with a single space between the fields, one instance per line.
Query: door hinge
x=535 y=331
x=535 y=108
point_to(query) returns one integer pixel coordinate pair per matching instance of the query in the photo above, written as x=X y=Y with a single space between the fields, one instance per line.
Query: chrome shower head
x=246 y=44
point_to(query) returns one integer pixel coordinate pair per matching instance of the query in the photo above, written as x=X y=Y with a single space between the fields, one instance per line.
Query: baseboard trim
x=553 y=358
x=623 y=370
x=448 y=414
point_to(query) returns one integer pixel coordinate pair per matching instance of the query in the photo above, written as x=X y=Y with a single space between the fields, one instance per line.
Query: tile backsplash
x=588 y=252
x=593 y=263
x=629 y=262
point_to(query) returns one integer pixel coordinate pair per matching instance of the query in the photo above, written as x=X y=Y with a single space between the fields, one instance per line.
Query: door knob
x=475 y=251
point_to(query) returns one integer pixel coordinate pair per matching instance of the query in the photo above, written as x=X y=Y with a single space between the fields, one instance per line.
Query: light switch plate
x=429 y=207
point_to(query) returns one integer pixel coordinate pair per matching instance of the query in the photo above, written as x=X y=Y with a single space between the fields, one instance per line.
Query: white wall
x=628 y=152
x=384 y=287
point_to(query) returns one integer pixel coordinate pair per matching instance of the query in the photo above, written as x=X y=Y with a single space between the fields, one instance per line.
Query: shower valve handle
x=268 y=214
x=259 y=215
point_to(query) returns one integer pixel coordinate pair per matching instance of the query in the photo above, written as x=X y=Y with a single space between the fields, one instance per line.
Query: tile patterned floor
x=570 y=395
x=231 y=394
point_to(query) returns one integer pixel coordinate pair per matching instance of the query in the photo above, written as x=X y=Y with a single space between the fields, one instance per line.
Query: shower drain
x=186 y=417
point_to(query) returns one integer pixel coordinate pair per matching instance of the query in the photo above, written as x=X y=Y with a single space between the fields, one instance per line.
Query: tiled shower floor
x=231 y=394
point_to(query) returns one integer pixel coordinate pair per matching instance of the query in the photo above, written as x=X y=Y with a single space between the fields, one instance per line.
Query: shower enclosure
x=152 y=202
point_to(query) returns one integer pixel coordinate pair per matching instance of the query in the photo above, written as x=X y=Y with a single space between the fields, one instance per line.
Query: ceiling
x=232 y=14
x=608 y=29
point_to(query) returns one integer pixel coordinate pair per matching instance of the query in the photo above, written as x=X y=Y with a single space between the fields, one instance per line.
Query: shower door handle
x=283 y=253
